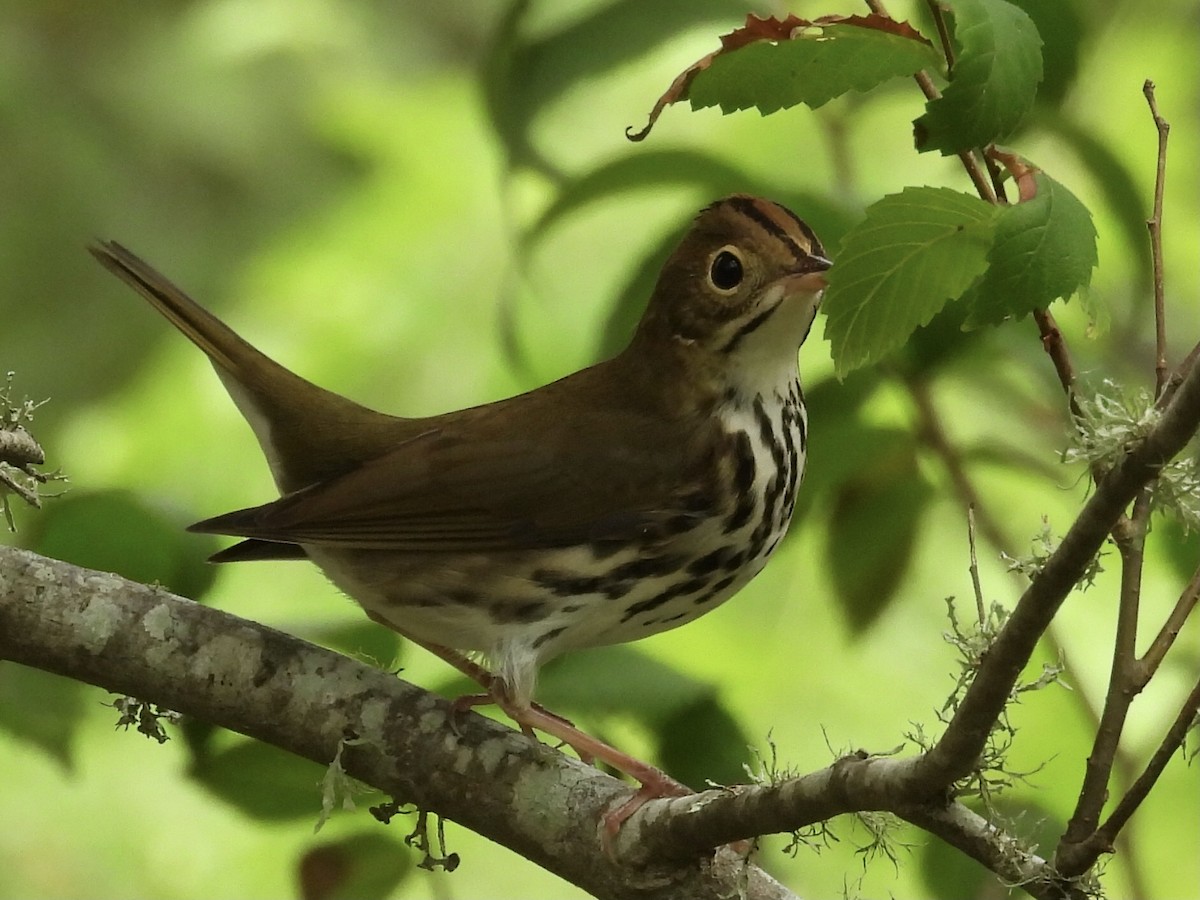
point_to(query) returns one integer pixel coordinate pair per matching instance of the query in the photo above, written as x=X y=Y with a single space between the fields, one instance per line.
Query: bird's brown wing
x=454 y=488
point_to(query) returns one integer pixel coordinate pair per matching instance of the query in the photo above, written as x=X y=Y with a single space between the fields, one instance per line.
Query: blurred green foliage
x=426 y=206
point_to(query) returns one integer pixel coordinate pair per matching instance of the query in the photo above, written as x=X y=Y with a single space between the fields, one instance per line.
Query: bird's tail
x=306 y=432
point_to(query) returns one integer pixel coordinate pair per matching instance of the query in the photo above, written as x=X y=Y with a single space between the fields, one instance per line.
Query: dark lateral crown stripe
x=753 y=209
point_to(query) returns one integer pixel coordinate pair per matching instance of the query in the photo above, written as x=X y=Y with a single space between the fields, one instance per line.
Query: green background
x=352 y=185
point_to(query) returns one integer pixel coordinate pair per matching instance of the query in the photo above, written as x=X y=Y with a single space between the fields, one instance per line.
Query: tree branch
x=1080 y=856
x=966 y=735
x=143 y=641
x=1123 y=684
x=1165 y=638
x=138 y=640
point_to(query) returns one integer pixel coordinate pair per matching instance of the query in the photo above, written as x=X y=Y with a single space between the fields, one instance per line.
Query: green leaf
x=994 y=81
x=1044 y=250
x=872 y=532
x=938 y=344
x=812 y=68
x=1114 y=181
x=366 y=866
x=262 y=781
x=1062 y=28
x=703 y=743
x=912 y=253
x=116 y=531
x=697 y=738
x=649 y=169
x=527 y=73
x=41 y=708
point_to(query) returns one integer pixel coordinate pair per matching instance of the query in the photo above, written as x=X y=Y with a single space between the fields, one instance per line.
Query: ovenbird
x=621 y=501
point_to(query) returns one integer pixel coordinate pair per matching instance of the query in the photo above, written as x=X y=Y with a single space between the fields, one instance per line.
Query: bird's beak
x=810 y=278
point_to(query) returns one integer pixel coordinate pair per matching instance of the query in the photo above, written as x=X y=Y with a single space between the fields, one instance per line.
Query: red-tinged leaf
x=773 y=64
x=759 y=29
x=773 y=29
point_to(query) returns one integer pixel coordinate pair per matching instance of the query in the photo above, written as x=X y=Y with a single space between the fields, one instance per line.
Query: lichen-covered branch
x=143 y=641
x=967 y=732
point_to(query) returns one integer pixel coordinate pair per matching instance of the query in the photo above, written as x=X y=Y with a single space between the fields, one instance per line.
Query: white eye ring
x=726 y=270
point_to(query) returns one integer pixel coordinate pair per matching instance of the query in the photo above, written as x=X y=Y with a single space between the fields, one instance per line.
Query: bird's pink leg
x=654 y=782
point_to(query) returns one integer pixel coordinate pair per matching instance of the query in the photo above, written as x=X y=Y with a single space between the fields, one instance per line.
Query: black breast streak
x=564 y=584
x=791 y=415
x=680 y=589
x=531 y=611
x=715 y=591
x=794 y=438
x=774 y=491
x=547 y=636
x=746 y=467
x=744 y=471
x=709 y=562
x=645 y=567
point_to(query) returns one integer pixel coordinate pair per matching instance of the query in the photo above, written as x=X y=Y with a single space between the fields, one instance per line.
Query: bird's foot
x=470 y=701
x=654 y=782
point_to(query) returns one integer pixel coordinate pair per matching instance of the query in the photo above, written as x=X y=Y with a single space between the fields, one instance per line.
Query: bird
x=620 y=501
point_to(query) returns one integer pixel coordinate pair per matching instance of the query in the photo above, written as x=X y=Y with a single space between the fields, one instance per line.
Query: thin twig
x=967 y=732
x=939 y=19
x=1056 y=348
x=968 y=727
x=1177 y=377
x=933 y=433
x=1171 y=743
x=1154 y=226
x=1162 y=642
x=997 y=178
x=929 y=89
x=975 y=566
x=1077 y=858
x=1083 y=839
x=1123 y=684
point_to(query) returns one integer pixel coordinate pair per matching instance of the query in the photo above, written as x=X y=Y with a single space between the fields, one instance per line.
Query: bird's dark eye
x=726 y=272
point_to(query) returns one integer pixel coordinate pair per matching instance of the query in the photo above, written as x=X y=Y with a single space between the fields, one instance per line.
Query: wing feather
x=455 y=488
